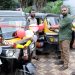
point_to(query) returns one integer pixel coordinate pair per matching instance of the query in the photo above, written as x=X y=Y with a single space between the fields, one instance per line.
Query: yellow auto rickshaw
x=51 y=36
x=11 y=46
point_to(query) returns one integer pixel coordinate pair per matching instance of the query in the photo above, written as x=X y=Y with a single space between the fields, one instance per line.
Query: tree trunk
x=40 y=4
x=24 y=3
x=37 y=4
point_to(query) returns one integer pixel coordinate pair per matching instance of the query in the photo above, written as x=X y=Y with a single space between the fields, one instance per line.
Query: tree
x=7 y=4
x=42 y=4
x=49 y=6
x=52 y=7
x=36 y=4
x=26 y=3
x=39 y=4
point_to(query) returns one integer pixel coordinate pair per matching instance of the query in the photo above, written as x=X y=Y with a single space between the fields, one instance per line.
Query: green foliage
x=48 y=7
x=7 y=4
x=28 y=9
x=52 y=7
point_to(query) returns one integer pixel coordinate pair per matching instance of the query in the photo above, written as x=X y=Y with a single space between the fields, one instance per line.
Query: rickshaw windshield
x=52 y=21
x=11 y=22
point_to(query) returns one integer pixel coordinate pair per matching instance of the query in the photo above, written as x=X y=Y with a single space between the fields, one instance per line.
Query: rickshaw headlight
x=9 y=53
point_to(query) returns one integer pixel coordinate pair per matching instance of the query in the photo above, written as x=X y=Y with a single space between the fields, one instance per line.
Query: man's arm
x=55 y=27
x=62 y=24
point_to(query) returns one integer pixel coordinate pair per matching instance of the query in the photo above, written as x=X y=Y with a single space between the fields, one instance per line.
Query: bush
x=27 y=10
x=52 y=7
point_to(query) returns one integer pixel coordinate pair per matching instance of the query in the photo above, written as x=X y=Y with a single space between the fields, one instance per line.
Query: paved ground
x=46 y=65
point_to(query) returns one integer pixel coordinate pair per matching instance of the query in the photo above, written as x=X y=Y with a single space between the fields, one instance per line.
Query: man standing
x=65 y=35
x=31 y=18
x=32 y=21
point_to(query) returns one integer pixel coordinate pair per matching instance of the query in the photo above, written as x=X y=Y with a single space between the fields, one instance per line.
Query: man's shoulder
x=70 y=17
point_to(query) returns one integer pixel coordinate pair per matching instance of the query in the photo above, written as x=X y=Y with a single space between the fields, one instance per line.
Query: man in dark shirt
x=65 y=35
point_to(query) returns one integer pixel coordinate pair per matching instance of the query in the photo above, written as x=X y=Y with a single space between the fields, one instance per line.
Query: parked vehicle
x=72 y=44
x=10 y=22
x=40 y=19
x=48 y=38
x=51 y=36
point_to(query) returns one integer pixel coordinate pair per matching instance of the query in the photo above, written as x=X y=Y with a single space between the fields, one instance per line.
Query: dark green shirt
x=65 y=31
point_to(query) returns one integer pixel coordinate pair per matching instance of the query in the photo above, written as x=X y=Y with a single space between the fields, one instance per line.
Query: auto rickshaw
x=13 y=23
x=40 y=33
x=47 y=39
x=51 y=36
x=72 y=44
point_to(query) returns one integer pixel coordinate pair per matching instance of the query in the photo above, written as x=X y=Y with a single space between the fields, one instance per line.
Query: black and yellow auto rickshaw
x=48 y=38
x=51 y=36
x=11 y=46
x=40 y=33
x=72 y=44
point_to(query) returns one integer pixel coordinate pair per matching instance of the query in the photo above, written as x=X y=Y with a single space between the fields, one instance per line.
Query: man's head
x=64 y=10
x=32 y=14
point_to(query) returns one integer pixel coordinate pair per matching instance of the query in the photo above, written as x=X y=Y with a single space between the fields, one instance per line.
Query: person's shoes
x=35 y=57
x=63 y=68
x=59 y=62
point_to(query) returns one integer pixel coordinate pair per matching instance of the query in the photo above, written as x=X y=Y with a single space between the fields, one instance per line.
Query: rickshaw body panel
x=52 y=35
